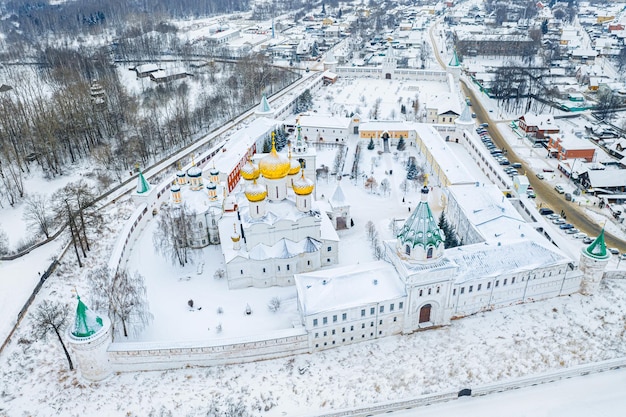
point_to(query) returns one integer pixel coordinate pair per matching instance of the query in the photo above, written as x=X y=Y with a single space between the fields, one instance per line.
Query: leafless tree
x=37 y=213
x=122 y=296
x=371 y=184
x=274 y=304
x=219 y=274
x=51 y=316
x=171 y=237
x=4 y=243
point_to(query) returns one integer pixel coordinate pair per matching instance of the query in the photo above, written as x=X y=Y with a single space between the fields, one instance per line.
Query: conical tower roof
x=142 y=184
x=454 y=61
x=264 y=106
x=597 y=248
x=87 y=322
x=338 y=199
x=421 y=229
x=466 y=116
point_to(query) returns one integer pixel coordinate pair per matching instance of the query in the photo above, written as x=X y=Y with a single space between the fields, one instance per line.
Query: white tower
x=89 y=339
x=593 y=261
x=389 y=64
x=454 y=67
x=462 y=123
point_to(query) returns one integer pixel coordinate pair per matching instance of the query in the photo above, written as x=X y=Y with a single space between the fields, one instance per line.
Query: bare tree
x=4 y=243
x=51 y=316
x=371 y=184
x=37 y=213
x=274 y=304
x=123 y=296
x=172 y=233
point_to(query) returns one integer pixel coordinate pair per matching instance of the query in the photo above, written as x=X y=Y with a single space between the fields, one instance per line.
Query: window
x=429 y=254
x=497 y=283
x=263 y=269
x=372 y=324
x=429 y=291
x=392 y=307
x=351 y=328
x=504 y=283
x=344 y=316
x=407 y=249
x=335 y=318
x=421 y=292
x=513 y=280
x=372 y=311
x=329 y=248
x=314 y=322
x=200 y=225
x=395 y=319
x=343 y=330
x=362 y=325
x=325 y=320
x=241 y=272
x=287 y=267
x=279 y=267
x=488 y=285
x=380 y=322
x=363 y=313
x=478 y=288
x=381 y=309
x=317 y=335
x=462 y=290
x=454 y=291
x=471 y=288
x=333 y=332
x=400 y=305
x=325 y=333
x=308 y=262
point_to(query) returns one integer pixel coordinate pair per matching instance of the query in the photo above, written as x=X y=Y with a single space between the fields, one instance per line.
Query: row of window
x=496 y=284
x=344 y=316
x=343 y=329
x=429 y=291
x=351 y=339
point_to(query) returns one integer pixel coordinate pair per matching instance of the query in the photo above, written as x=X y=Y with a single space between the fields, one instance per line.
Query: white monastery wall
x=132 y=357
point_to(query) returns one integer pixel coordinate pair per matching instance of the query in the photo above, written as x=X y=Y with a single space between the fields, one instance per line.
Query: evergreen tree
x=371 y=145
x=281 y=138
x=544 y=27
x=323 y=8
x=449 y=232
x=412 y=173
x=401 y=144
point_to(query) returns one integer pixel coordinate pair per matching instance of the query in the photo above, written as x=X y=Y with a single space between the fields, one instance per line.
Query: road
x=545 y=193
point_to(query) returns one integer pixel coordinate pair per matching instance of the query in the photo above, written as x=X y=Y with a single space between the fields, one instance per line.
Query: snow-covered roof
x=284 y=249
x=540 y=120
x=607 y=177
x=484 y=260
x=452 y=167
x=385 y=125
x=333 y=289
x=338 y=199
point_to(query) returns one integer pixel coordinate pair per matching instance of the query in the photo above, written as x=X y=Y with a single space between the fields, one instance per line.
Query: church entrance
x=388 y=76
x=425 y=313
x=341 y=223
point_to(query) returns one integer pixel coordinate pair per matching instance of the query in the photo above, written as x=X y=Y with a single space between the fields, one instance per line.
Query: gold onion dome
x=255 y=192
x=295 y=165
x=274 y=166
x=235 y=236
x=303 y=186
x=250 y=171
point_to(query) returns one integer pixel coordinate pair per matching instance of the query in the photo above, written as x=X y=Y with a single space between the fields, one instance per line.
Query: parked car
x=484 y=125
x=567 y=226
x=553 y=216
x=623 y=256
x=504 y=162
x=559 y=189
x=540 y=175
x=559 y=221
x=614 y=251
x=516 y=165
x=587 y=240
x=545 y=211
x=580 y=235
x=531 y=194
x=572 y=231
x=568 y=197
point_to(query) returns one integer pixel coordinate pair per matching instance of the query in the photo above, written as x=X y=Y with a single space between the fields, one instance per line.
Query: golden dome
x=303 y=186
x=235 y=236
x=255 y=192
x=274 y=166
x=250 y=171
x=295 y=165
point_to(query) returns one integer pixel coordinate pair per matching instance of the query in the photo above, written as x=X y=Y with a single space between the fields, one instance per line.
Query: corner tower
x=89 y=338
x=593 y=261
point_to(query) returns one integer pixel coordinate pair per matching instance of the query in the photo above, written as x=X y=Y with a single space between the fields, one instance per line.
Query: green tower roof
x=142 y=184
x=597 y=248
x=420 y=229
x=87 y=322
x=454 y=62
